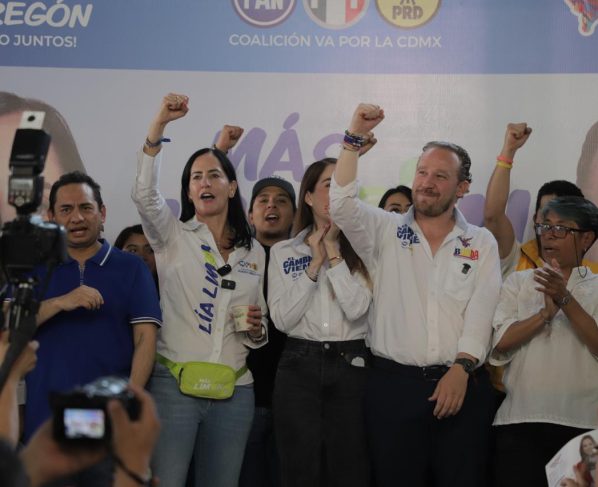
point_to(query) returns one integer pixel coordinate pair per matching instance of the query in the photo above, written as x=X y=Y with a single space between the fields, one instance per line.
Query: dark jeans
x=523 y=450
x=409 y=446
x=318 y=414
x=260 y=464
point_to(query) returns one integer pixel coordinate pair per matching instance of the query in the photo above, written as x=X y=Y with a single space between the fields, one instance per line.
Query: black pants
x=318 y=414
x=523 y=450
x=409 y=446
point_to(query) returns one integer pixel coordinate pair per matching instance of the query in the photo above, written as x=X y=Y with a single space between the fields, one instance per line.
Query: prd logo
x=336 y=14
x=407 y=14
x=264 y=13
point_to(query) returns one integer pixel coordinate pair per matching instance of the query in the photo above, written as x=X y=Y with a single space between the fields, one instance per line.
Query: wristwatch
x=566 y=300
x=467 y=364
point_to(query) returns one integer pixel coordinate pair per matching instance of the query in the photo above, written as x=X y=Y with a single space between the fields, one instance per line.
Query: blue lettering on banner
x=407 y=236
x=296 y=265
x=206 y=309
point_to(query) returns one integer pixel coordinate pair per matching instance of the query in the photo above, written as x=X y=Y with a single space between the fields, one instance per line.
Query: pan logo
x=336 y=14
x=264 y=13
x=407 y=14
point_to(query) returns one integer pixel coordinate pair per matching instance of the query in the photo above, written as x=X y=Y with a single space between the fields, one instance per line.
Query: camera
x=27 y=241
x=81 y=415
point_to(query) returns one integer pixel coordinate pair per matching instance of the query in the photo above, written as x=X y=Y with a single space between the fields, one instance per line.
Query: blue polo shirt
x=77 y=347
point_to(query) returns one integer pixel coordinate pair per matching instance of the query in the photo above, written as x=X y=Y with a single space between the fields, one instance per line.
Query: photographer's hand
x=80 y=297
x=133 y=441
x=45 y=460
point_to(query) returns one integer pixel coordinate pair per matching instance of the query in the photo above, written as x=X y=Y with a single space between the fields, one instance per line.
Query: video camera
x=27 y=241
x=81 y=415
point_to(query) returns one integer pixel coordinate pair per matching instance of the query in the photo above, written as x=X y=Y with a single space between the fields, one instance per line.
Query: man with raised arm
x=513 y=255
x=436 y=284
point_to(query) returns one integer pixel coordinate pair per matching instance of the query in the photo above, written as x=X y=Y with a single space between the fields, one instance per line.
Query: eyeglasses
x=558 y=231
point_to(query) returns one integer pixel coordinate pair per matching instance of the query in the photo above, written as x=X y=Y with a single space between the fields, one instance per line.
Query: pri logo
x=336 y=14
x=408 y=14
x=587 y=13
x=264 y=13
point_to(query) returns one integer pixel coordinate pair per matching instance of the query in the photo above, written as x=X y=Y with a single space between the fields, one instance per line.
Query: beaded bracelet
x=152 y=145
x=504 y=159
x=504 y=164
x=354 y=140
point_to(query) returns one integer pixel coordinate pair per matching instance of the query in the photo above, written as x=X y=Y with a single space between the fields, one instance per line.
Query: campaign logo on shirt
x=248 y=268
x=295 y=266
x=471 y=254
x=205 y=309
x=466 y=242
x=407 y=236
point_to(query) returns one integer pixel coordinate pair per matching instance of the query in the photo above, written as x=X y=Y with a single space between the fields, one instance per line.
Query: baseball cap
x=276 y=181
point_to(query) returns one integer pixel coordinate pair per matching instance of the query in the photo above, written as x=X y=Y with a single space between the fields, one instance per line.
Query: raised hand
x=365 y=118
x=228 y=138
x=515 y=137
x=173 y=107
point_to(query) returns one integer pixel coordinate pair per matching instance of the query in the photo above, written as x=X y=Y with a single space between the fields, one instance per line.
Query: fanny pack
x=203 y=379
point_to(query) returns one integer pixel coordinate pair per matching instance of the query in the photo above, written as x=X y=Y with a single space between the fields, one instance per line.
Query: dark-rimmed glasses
x=558 y=231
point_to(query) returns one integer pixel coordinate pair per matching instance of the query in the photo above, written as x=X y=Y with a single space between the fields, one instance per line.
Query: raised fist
x=515 y=136
x=229 y=136
x=173 y=107
x=365 y=118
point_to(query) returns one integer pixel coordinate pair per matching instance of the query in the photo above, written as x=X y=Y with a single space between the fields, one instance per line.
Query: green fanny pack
x=203 y=379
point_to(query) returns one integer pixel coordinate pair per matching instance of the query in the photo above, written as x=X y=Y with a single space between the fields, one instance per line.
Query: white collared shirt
x=333 y=308
x=553 y=378
x=197 y=323
x=427 y=308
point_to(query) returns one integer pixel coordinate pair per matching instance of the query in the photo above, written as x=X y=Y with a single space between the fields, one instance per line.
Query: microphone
x=224 y=270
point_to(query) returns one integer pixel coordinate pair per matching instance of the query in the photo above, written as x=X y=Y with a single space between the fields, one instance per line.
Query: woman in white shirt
x=207 y=263
x=547 y=338
x=319 y=294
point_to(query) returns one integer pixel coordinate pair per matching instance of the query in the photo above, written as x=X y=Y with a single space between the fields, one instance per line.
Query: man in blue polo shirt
x=100 y=313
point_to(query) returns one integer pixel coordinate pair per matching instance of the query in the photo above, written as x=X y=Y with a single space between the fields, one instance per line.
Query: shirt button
x=325 y=325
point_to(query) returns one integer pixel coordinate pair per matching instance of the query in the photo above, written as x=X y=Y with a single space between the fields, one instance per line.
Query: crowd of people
x=318 y=340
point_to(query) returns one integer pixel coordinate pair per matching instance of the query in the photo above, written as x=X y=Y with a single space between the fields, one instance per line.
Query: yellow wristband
x=504 y=164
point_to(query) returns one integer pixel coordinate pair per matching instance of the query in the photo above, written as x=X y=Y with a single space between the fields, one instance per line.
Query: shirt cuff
x=472 y=347
x=497 y=358
x=350 y=189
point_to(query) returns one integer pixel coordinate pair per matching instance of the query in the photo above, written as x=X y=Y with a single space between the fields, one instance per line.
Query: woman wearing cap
x=207 y=264
x=547 y=338
x=319 y=294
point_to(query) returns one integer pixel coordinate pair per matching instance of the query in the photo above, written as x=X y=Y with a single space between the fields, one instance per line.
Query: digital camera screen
x=84 y=423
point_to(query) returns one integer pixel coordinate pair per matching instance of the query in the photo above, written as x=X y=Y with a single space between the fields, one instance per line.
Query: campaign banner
x=291 y=72
x=315 y=36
